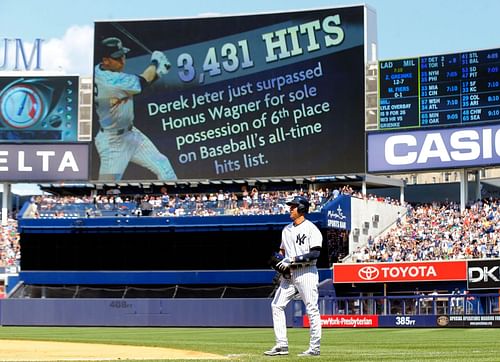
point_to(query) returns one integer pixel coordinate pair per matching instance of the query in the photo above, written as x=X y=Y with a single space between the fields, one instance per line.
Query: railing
x=179 y=208
x=412 y=305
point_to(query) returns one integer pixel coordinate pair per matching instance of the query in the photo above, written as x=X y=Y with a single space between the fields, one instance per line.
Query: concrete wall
x=365 y=222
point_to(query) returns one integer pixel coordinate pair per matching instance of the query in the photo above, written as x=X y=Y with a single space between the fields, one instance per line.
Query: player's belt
x=300 y=265
x=118 y=131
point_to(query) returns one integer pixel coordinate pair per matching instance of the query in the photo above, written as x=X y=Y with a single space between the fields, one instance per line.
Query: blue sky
x=405 y=28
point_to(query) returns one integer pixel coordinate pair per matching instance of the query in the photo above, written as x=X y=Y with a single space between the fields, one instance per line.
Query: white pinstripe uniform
x=298 y=240
x=118 y=141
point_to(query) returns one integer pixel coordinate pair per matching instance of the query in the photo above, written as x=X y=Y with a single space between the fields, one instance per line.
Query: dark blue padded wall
x=245 y=312
x=154 y=243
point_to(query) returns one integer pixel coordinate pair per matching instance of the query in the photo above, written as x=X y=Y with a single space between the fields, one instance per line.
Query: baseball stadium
x=251 y=187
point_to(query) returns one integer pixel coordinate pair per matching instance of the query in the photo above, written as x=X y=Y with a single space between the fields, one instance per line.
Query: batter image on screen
x=118 y=141
x=300 y=248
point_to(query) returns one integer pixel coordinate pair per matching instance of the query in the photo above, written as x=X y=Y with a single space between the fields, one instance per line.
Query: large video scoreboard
x=258 y=95
x=439 y=90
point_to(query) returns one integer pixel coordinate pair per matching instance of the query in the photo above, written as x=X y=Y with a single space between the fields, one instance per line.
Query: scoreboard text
x=441 y=90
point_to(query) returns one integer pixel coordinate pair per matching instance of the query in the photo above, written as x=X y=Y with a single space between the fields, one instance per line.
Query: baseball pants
x=305 y=281
x=116 y=151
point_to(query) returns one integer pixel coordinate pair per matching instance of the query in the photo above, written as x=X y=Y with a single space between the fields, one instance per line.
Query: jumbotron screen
x=39 y=109
x=261 y=95
x=440 y=90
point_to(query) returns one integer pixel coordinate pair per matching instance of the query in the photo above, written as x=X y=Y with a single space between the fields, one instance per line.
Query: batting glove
x=160 y=61
x=284 y=264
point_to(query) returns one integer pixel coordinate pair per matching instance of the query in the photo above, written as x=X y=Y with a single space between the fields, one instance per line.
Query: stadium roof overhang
x=492 y=181
x=353 y=180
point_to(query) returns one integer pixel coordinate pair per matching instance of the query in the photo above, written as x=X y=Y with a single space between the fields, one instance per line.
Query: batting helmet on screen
x=112 y=47
x=301 y=202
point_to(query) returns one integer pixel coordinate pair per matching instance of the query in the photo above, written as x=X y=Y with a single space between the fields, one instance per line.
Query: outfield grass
x=247 y=344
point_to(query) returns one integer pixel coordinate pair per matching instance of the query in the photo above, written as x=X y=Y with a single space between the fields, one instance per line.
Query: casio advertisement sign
x=483 y=274
x=434 y=149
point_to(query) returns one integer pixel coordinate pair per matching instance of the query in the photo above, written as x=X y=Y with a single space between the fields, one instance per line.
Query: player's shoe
x=277 y=351
x=309 y=353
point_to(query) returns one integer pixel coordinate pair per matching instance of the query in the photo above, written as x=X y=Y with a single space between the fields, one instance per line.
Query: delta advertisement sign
x=400 y=272
x=44 y=162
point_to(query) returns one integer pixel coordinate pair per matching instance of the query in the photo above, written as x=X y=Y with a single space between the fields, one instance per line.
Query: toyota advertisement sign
x=400 y=272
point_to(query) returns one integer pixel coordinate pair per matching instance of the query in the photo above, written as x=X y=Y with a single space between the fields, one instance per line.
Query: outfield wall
x=247 y=312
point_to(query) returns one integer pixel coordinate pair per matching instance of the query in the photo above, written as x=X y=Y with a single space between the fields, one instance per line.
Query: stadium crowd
x=10 y=251
x=246 y=202
x=253 y=202
x=426 y=232
x=438 y=232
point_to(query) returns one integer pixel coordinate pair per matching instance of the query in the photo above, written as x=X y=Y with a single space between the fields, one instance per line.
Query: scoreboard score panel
x=439 y=90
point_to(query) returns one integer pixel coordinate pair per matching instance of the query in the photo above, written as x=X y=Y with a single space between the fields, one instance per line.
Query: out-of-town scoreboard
x=440 y=90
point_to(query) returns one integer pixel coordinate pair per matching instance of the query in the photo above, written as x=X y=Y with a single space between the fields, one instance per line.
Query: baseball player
x=301 y=244
x=118 y=141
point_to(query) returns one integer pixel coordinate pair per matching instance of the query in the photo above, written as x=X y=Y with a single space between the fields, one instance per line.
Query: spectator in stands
x=31 y=211
x=145 y=206
x=220 y=199
x=164 y=198
x=419 y=301
x=347 y=190
x=234 y=201
x=254 y=195
x=244 y=196
x=457 y=302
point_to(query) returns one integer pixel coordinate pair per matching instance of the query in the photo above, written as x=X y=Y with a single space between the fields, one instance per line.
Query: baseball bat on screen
x=131 y=37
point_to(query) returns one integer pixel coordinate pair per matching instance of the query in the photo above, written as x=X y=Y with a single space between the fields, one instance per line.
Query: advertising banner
x=44 y=162
x=480 y=321
x=408 y=321
x=483 y=274
x=434 y=149
x=338 y=213
x=39 y=109
x=346 y=321
x=278 y=94
x=399 y=272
